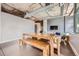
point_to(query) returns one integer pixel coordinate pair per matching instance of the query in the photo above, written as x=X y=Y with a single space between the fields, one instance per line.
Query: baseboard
x=1 y=42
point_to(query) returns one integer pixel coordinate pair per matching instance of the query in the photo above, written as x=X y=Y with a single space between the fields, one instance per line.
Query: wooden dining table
x=50 y=41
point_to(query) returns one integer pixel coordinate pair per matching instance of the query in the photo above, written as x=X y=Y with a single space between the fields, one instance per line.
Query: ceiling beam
x=46 y=10
x=34 y=18
x=48 y=13
x=61 y=9
x=14 y=11
x=14 y=8
x=71 y=11
x=51 y=17
x=39 y=10
x=41 y=5
x=67 y=8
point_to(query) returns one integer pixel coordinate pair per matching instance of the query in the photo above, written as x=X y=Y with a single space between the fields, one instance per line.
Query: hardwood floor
x=16 y=50
x=74 y=42
x=1 y=53
x=66 y=50
x=13 y=49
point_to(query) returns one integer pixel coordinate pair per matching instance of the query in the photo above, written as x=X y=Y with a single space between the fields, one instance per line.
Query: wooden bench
x=46 y=37
x=36 y=43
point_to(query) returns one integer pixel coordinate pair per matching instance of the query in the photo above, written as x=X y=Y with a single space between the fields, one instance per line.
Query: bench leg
x=21 y=43
x=51 y=48
x=58 y=47
x=46 y=51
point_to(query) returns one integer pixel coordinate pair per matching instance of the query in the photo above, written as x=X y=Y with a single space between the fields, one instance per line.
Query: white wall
x=38 y=27
x=59 y=21
x=56 y=21
x=45 y=26
x=69 y=24
x=13 y=27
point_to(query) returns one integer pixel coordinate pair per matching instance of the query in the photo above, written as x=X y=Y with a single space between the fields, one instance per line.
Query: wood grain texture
x=48 y=37
x=38 y=44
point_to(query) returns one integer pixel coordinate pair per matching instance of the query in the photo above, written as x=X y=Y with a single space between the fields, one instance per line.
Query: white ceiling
x=25 y=6
x=33 y=7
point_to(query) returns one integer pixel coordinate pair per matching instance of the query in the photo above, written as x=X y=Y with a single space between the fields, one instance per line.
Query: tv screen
x=53 y=27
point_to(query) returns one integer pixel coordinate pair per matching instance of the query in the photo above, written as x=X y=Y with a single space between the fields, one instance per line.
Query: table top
x=50 y=37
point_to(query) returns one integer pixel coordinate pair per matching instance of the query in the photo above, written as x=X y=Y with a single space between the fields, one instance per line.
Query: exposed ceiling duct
x=39 y=10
